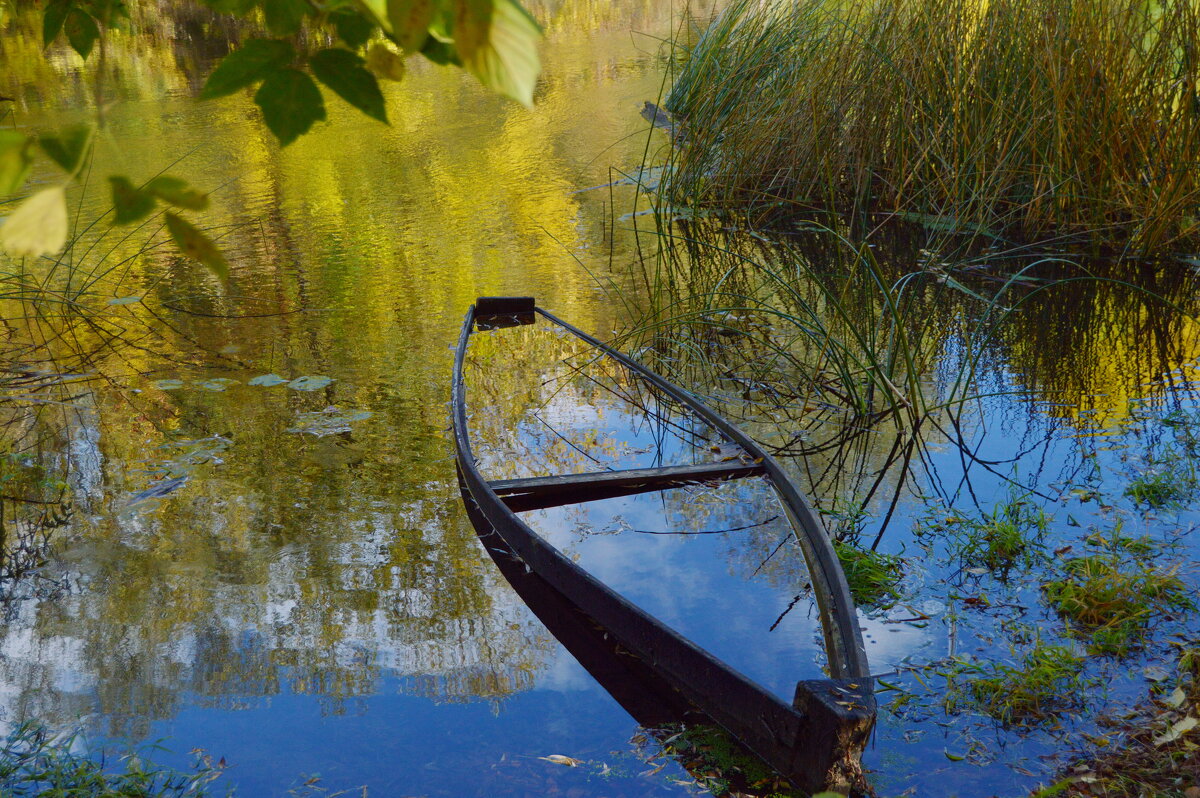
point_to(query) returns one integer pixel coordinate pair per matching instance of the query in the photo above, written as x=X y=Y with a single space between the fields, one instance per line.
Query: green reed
x=1017 y=117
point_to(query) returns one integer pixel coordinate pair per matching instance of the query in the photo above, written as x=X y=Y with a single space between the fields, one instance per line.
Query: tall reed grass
x=1020 y=117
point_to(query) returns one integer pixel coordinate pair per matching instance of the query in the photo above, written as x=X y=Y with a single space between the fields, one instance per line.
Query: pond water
x=267 y=557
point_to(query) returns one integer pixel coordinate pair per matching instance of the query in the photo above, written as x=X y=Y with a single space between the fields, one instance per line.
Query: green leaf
x=124 y=300
x=197 y=246
x=440 y=52
x=52 y=20
x=410 y=22
x=38 y=226
x=81 y=31
x=106 y=12
x=68 y=147
x=498 y=45
x=290 y=103
x=250 y=63
x=176 y=192
x=352 y=27
x=385 y=62
x=378 y=11
x=284 y=16
x=343 y=71
x=239 y=7
x=14 y=161
x=129 y=203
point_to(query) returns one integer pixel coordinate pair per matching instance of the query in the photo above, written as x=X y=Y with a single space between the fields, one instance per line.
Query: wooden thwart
x=539 y=493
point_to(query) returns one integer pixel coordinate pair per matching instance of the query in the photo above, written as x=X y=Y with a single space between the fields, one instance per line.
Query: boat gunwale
x=765 y=723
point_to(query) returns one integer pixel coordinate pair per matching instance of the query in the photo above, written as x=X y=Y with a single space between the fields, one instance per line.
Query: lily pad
x=215 y=384
x=267 y=380
x=313 y=383
x=168 y=385
x=330 y=421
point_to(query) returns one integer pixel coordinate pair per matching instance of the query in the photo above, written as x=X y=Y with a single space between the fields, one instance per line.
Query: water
x=283 y=576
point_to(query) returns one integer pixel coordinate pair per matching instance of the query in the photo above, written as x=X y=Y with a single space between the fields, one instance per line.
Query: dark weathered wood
x=817 y=741
x=540 y=492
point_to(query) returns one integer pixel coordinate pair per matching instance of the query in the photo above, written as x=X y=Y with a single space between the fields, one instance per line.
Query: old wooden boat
x=545 y=516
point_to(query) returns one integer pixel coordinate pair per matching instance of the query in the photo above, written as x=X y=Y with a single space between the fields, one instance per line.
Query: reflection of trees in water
x=853 y=360
x=540 y=403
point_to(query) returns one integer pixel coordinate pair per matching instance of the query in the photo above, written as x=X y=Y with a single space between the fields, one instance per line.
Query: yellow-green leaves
x=343 y=71
x=283 y=17
x=410 y=21
x=197 y=246
x=14 y=160
x=290 y=103
x=129 y=204
x=66 y=148
x=385 y=62
x=250 y=63
x=174 y=191
x=38 y=226
x=497 y=42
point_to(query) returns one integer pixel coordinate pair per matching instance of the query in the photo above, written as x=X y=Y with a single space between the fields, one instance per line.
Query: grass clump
x=1011 y=534
x=1045 y=683
x=1163 y=485
x=1015 y=117
x=874 y=578
x=1113 y=602
x=36 y=762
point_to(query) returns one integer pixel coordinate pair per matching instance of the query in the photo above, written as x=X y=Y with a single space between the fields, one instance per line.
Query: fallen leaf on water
x=1176 y=698
x=953 y=757
x=559 y=759
x=1177 y=730
x=1155 y=673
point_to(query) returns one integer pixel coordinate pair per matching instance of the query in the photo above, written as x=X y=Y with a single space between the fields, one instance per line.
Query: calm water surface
x=268 y=558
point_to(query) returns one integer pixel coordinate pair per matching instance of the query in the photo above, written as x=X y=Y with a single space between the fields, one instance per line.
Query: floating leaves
x=38 y=226
x=560 y=759
x=330 y=421
x=313 y=383
x=215 y=384
x=268 y=380
x=220 y=384
x=1177 y=730
x=124 y=300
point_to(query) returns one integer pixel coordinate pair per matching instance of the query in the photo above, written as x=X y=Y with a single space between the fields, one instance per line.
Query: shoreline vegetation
x=1015 y=119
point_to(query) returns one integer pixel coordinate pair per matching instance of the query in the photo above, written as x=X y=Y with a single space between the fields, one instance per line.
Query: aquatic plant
x=874 y=578
x=1113 y=601
x=1010 y=534
x=36 y=762
x=1011 y=117
x=1163 y=484
x=1044 y=684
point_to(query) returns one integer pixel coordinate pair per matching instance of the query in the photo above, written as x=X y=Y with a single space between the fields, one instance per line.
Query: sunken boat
x=663 y=531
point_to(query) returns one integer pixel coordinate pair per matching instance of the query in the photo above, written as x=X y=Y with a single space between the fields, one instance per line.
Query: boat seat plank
x=538 y=493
